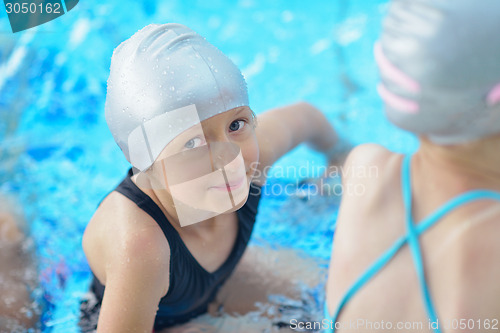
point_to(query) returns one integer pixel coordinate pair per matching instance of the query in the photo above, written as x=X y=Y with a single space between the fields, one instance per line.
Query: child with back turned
x=163 y=243
x=420 y=247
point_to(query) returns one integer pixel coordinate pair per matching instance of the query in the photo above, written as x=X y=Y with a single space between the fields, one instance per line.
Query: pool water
x=59 y=160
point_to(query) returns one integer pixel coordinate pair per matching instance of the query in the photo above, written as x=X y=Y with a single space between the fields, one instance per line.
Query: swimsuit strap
x=413 y=232
x=412 y=237
x=130 y=190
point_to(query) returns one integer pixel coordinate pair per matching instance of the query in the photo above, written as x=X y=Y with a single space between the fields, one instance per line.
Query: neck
x=477 y=163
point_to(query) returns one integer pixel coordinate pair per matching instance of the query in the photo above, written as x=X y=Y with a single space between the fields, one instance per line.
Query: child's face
x=208 y=167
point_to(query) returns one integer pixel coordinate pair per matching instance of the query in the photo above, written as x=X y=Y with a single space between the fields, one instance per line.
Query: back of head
x=163 y=80
x=440 y=67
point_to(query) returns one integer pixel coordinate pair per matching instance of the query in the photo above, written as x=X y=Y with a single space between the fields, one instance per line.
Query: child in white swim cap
x=420 y=246
x=162 y=244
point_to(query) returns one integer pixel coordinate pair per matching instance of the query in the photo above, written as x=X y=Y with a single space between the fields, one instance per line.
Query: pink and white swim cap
x=440 y=66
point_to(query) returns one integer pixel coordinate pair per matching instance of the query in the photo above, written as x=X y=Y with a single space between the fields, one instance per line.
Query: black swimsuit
x=191 y=287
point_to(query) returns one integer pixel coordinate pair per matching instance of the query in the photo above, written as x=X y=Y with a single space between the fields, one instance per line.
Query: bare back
x=460 y=252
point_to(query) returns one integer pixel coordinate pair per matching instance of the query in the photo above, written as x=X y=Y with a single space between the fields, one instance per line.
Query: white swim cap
x=440 y=67
x=163 y=80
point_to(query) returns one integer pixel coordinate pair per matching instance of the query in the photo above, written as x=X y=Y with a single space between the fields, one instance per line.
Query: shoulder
x=122 y=237
x=370 y=182
x=371 y=164
x=129 y=255
x=367 y=155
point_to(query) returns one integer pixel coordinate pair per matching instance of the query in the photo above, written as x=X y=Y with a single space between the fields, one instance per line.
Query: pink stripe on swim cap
x=396 y=102
x=392 y=72
x=494 y=95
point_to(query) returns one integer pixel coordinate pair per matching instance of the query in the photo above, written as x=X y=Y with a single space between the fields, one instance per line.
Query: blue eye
x=193 y=143
x=236 y=125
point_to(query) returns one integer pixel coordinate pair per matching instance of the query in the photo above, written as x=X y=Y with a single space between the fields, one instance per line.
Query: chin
x=239 y=203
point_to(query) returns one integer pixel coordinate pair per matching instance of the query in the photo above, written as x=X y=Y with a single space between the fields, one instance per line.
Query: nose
x=223 y=153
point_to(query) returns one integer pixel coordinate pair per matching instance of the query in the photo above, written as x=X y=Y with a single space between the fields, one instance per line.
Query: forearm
x=320 y=135
x=282 y=129
x=323 y=137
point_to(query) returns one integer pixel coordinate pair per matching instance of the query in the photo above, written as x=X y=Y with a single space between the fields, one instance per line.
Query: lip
x=233 y=185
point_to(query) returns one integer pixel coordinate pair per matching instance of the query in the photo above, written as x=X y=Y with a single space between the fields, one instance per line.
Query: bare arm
x=136 y=276
x=282 y=129
x=345 y=265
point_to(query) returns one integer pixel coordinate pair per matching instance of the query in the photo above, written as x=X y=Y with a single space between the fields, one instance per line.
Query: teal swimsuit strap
x=412 y=237
x=413 y=232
